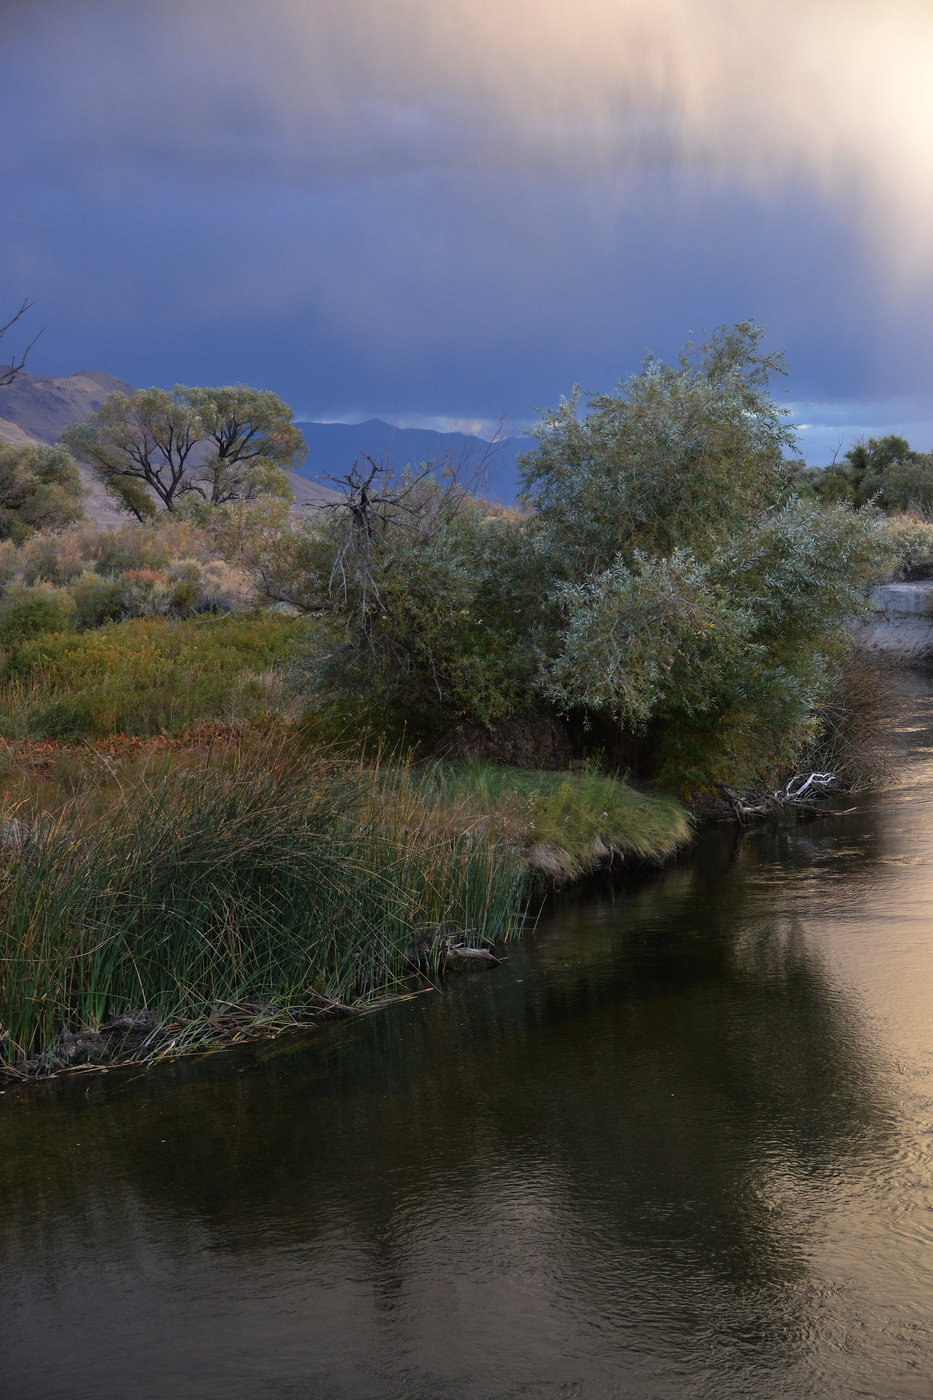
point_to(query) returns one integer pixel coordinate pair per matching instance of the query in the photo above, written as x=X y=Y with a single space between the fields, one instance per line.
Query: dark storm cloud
x=461 y=209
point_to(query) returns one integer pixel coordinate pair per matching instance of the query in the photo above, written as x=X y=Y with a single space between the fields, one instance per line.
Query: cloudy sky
x=447 y=211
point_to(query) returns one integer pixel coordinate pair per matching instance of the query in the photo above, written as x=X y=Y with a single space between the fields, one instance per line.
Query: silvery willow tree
x=664 y=593
x=154 y=449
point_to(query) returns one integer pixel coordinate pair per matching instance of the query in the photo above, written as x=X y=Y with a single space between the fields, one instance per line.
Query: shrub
x=40 y=489
x=169 y=569
x=30 y=612
x=911 y=542
x=98 y=600
x=59 y=557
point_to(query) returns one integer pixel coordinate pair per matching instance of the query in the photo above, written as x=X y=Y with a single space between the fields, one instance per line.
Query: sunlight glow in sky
x=451 y=213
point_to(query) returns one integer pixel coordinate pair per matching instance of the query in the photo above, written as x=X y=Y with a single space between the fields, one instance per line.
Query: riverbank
x=157 y=897
x=900 y=627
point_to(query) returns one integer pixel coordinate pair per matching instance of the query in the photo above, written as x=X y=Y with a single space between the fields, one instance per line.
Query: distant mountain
x=334 y=447
x=39 y=407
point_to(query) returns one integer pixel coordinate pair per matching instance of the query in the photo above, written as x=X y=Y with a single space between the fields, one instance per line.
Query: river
x=678 y=1145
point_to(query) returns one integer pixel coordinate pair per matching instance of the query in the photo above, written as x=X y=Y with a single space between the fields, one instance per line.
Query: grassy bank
x=146 y=676
x=164 y=900
x=180 y=864
x=257 y=880
x=566 y=823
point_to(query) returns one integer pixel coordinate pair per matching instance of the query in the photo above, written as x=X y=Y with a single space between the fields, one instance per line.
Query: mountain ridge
x=334 y=447
x=44 y=405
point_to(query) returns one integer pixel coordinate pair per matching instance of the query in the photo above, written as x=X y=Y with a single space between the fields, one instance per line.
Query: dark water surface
x=678 y=1146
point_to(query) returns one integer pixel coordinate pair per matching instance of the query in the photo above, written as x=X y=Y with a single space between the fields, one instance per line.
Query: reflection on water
x=679 y=1145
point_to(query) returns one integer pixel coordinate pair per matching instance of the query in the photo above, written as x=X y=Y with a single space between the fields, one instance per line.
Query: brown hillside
x=11 y=432
x=44 y=406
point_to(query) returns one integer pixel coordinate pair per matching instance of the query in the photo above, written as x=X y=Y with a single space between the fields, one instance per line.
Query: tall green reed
x=261 y=876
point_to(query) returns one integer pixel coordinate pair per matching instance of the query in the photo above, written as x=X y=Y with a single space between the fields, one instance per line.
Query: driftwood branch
x=798 y=794
x=817 y=781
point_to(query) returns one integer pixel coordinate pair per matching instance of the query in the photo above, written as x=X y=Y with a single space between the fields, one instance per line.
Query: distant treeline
x=885 y=472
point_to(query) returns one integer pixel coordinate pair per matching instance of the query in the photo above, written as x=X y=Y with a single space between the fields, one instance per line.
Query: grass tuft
x=260 y=879
x=567 y=823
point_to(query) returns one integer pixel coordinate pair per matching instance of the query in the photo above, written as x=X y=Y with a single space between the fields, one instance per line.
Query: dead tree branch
x=375 y=502
x=9 y=372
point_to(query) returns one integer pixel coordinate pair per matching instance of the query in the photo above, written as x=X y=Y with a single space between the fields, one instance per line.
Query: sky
x=447 y=214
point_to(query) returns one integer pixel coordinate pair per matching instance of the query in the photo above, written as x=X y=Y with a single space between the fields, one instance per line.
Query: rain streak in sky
x=457 y=211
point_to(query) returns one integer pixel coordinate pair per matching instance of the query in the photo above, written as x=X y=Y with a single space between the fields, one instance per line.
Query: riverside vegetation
x=223 y=816
x=154 y=899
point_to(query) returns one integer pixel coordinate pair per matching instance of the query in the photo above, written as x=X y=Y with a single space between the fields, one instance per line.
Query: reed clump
x=262 y=884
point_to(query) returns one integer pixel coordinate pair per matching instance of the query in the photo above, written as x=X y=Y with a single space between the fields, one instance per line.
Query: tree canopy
x=677 y=458
x=155 y=448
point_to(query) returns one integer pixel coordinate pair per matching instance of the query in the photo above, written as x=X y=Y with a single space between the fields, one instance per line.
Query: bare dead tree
x=373 y=500
x=376 y=498
x=9 y=372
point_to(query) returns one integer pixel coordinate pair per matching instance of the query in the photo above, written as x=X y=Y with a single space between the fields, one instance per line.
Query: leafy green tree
x=142 y=447
x=885 y=470
x=40 y=489
x=871 y=458
x=886 y=473
x=666 y=593
x=907 y=485
x=253 y=441
x=676 y=459
x=155 y=448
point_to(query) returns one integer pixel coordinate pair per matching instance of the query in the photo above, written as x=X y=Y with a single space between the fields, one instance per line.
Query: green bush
x=31 y=612
x=884 y=473
x=40 y=489
x=98 y=600
x=911 y=542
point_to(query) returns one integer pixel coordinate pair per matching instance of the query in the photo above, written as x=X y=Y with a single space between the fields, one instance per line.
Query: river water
x=679 y=1145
